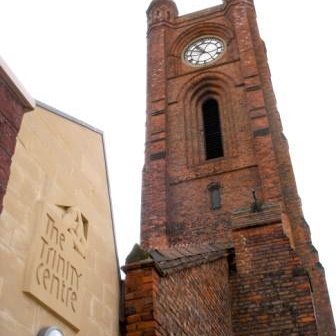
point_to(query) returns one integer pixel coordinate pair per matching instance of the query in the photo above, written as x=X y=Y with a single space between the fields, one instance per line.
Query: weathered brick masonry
x=14 y=102
x=271 y=291
x=270 y=281
x=161 y=292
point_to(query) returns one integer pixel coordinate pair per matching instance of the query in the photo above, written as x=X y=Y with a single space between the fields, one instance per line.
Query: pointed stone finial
x=137 y=254
x=161 y=10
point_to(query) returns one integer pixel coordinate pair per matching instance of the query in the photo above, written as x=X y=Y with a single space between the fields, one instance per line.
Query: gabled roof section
x=177 y=258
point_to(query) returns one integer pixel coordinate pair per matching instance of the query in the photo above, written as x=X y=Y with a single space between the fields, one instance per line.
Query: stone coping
x=269 y=214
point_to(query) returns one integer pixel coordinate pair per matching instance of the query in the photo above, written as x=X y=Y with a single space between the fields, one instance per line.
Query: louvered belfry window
x=212 y=130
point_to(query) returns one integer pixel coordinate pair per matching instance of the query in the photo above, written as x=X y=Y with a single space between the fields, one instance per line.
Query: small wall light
x=50 y=331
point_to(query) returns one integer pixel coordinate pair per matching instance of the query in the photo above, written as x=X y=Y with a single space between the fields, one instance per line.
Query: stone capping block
x=16 y=87
x=147 y=263
x=245 y=218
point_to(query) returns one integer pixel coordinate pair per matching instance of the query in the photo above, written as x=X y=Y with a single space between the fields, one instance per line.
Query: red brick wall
x=190 y=216
x=271 y=291
x=176 y=174
x=11 y=113
x=193 y=301
x=297 y=230
x=140 y=284
x=175 y=198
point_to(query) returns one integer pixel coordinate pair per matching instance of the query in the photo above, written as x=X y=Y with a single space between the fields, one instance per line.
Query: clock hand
x=200 y=49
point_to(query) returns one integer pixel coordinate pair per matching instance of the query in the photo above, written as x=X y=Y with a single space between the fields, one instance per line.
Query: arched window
x=212 y=130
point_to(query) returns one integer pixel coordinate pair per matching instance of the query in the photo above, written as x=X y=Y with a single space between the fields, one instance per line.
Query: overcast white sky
x=87 y=58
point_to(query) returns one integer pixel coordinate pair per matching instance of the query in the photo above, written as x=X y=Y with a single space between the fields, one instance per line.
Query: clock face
x=204 y=51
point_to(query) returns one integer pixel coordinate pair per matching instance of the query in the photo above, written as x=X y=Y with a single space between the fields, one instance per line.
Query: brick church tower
x=225 y=249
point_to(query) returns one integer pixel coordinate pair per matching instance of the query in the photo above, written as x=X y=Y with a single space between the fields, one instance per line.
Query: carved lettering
x=57 y=271
x=62 y=240
x=49 y=225
x=62 y=291
x=61 y=261
x=67 y=270
x=44 y=243
x=46 y=276
x=75 y=277
x=38 y=273
x=54 y=280
x=69 y=290
x=54 y=259
x=73 y=301
x=49 y=254
x=54 y=233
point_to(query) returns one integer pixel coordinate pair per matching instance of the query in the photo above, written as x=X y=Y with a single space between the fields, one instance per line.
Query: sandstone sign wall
x=58 y=255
